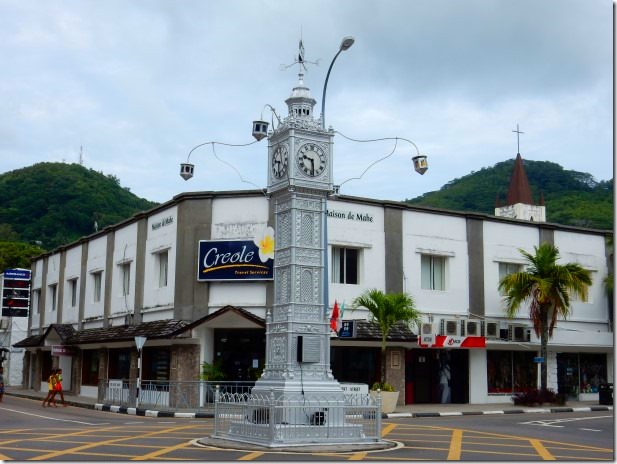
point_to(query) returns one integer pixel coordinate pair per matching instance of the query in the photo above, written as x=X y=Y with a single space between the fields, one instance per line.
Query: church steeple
x=519 y=202
x=519 y=190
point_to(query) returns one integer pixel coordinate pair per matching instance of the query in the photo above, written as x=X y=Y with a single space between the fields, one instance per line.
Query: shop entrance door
x=437 y=376
x=242 y=352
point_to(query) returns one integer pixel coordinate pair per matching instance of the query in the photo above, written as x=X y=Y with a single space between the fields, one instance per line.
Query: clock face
x=279 y=161
x=311 y=159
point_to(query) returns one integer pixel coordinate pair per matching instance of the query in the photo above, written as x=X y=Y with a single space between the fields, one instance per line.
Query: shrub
x=538 y=397
x=384 y=387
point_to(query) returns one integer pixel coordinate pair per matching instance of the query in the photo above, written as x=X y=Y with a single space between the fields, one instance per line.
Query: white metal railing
x=297 y=419
x=167 y=394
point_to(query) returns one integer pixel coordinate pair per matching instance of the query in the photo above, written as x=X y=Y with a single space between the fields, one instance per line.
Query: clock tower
x=297 y=370
x=299 y=150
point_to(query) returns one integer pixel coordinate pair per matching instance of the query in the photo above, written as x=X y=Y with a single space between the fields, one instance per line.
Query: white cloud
x=139 y=84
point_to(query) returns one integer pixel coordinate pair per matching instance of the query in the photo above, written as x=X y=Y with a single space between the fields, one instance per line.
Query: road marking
x=592 y=430
x=387 y=429
x=358 y=456
x=455 y=445
x=551 y=422
x=53 y=418
x=541 y=450
x=156 y=454
x=251 y=456
x=86 y=446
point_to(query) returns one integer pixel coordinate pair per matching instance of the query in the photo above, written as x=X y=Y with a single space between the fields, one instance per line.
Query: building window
x=345 y=265
x=90 y=368
x=37 y=301
x=73 y=290
x=162 y=260
x=53 y=293
x=119 y=363
x=507 y=269
x=156 y=364
x=510 y=371
x=97 y=278
x=125 y=275
x=433 y=272
x=576 y=298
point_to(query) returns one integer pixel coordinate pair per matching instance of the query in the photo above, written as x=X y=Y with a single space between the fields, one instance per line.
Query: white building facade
x=140 y=277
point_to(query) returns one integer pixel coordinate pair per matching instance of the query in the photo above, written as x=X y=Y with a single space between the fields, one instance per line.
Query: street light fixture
x=345 y=44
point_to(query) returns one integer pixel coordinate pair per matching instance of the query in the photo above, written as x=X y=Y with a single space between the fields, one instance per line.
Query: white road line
x=53 y=418
x=163 y=422
x=551 y=422
x=592 y=430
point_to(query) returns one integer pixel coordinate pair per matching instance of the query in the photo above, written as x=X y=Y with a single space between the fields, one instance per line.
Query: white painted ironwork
x=297 y=420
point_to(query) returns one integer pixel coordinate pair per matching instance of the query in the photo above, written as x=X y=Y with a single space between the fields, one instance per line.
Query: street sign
x=538 y=359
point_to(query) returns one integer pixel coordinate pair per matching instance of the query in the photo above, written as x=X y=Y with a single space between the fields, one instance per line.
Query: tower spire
x=519 y=190
x=519 y=202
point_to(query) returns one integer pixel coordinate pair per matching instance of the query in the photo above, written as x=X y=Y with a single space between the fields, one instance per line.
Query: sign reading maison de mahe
x=232 y=260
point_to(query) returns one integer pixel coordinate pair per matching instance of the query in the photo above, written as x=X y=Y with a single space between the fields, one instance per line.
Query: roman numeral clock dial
x=311 y=159
x=279 y=162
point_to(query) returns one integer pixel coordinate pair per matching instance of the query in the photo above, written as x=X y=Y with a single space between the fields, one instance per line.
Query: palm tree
x=387 y=310
x=547 y=286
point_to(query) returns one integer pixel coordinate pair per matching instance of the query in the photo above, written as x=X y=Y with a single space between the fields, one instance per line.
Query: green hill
x=51 y=204
x=571 y=197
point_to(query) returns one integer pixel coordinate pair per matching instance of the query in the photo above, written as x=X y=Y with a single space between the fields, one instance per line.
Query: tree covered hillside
x=571 y=197
x=51 y=204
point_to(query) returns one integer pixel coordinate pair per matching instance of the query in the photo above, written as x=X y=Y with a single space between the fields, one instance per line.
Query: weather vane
x=300 y=58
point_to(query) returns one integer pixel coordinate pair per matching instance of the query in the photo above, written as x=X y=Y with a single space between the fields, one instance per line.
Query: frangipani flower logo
x=264 y=240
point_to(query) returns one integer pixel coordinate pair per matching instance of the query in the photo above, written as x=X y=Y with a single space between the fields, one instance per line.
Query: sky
x=134 y=85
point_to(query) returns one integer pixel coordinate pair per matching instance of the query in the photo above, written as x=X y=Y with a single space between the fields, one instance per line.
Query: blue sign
x=538 y=359
x=232 y=260
x=347 y=329
x=17 y=274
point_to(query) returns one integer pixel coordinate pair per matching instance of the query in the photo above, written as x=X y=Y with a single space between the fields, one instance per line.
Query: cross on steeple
x=518 y=133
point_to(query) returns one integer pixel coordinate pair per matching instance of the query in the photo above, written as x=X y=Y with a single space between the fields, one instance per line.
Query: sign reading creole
x=232 y=260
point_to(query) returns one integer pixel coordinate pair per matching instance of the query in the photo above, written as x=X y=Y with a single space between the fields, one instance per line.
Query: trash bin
x=606 y=393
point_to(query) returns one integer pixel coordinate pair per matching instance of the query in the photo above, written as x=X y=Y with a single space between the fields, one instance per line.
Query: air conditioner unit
x=491 y=329
x=518 y=333
x=473 y=328
x=449 y=327
x=428 y=328
x=4 y=324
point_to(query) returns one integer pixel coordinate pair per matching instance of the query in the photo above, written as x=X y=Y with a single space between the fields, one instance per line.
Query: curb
x=152 y=413
x=396 y=415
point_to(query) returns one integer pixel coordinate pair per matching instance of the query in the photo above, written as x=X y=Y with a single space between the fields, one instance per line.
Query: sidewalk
x=409 y=410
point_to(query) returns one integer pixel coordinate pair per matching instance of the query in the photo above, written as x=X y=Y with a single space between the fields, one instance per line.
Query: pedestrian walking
x=51 y=389
x=1 y=383
x=58 y=387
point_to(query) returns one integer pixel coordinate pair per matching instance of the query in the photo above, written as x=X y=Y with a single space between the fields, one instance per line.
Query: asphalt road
x=29 y=431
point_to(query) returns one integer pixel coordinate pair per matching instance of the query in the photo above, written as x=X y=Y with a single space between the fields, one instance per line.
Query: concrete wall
x=162 y=232
x=444 y=236
x=72 y=271
x=97 y=257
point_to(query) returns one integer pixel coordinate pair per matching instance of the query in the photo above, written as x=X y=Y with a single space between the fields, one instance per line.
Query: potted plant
x=210 y=372
x=387 y=310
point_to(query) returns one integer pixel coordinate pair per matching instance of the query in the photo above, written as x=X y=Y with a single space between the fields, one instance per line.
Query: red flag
x=335 y=321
